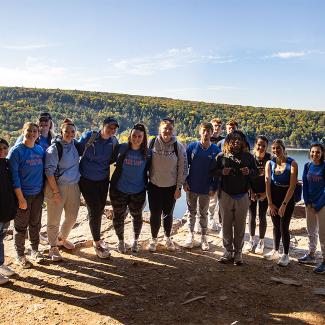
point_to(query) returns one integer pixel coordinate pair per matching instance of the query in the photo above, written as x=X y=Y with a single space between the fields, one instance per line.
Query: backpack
x=152 y=143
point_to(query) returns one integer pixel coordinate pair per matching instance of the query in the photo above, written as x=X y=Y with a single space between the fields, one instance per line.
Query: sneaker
x=43 y=240
x=101 y=250
x=169 y=244
x=3 y=279
x=197 y=227
x=249 y=247
x=226 y=258
x=307 y=259
x=320 y=269
x=259 y=250
x=36 y=256
x=23 y=262
x=121 y=247
x=273 y=255
x=153 y=245
x=238 y=258
x=212 y=225
x=135 y=246
x=54 y=254
x=189 y=242
x=6 y=270
x=284 y=260
x=204 y=243
x=66 y=244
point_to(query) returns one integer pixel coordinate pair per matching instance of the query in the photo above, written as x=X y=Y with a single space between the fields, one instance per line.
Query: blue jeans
x=3 y=230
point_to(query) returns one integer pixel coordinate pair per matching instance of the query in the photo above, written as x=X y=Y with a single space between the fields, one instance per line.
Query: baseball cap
x=45 y=116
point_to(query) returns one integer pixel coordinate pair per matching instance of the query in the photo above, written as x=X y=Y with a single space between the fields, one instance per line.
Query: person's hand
x=273 y=211
x=57 y=197
x=244 y=171
x=226 y=171
x=212 y=193
x=186 y=187
x=22 y=204
x=282 y=210
x=177 y=194
x=262 y=196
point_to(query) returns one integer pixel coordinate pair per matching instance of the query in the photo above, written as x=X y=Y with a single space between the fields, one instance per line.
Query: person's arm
x=272 y=208
x=305 y=185
x=291 y=189
x=182 y=170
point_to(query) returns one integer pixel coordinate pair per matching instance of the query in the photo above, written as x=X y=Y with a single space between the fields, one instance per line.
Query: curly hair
x=228 y=145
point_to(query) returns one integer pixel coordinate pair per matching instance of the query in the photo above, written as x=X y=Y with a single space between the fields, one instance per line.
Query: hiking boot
x=3 y=279
x=153 y=245
x=307 y=259
x=212 y=225
x=238 y=258
x=54 y=254
x=272 y=255
x=226 y=258
x=66 y=244
x=259 y=250
x=284 y=260
x=121 y=247
x=169 y=244
x=320 y=269
x=101 y=249
x=135 y=246
x=204 y=243
x=249 y=247
x=6 y=270
x=36 y=256
x=23 y=262
x=189 y=242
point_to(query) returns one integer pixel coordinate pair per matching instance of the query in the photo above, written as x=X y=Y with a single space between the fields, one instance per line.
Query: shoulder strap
x=152 y=142
x=176 y=148
x=90 y=142
x=59 y=148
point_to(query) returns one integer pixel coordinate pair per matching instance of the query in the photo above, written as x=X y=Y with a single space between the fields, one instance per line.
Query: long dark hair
x=144 y=144
x=321 y=147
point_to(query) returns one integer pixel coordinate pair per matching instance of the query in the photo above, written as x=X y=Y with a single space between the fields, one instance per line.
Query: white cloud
x=288 y=55
x=170 y=59
x=25 y=47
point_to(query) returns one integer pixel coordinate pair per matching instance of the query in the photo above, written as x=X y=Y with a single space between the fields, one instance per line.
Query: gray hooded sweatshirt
x=166 y=168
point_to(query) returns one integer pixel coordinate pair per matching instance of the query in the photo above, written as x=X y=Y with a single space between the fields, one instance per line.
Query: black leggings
x=281 y=224
x=161 y=201
x=262 y=208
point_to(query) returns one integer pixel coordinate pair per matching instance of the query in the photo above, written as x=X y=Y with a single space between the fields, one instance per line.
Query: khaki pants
x=70 y=203
x=233 y=213
x=316 y=228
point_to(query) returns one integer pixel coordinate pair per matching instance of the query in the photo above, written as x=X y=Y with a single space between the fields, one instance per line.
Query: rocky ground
x=183 y=287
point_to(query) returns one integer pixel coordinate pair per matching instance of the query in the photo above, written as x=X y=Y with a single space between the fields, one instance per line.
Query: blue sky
x=249 y=52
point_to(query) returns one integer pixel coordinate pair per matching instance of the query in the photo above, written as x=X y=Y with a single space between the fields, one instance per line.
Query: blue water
x=300 y=156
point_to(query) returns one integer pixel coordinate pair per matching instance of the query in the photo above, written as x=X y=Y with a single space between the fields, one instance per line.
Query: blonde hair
x=29 y=124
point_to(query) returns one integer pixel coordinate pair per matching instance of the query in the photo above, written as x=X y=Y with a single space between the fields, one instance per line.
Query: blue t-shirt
x=282 y=179
x=27 y=168
x=200 y=163
x=95 y=163
x=132 y=180
x=314 y=185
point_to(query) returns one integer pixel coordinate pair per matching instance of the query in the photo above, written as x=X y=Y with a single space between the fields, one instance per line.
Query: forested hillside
x=87 y=109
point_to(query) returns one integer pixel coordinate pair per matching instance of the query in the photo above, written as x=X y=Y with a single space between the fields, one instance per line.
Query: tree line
x=298 y=128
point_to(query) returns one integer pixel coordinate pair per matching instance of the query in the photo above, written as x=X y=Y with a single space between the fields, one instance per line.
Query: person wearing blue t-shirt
x=314 y=197
x=129 y=183
x=97 y=148
x=200 y=185
x=26 y=162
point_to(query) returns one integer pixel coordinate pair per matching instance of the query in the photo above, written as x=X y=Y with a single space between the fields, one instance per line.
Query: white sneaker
x=204 y=243
x=189 y=242
x=3 y=279
x=197 y=227
x=66 y=244
x=153 y=245
x=273 y=255
x=43 y=240
x=121 y=247
x=169 y=244
x=6 y=270
x=249 y=246
x=135 y=246
x=284 y=260
x=23 y=262
x=54 y=254
x=36 y=256
x=259 y=250
x=213 y=225
x=102 y=250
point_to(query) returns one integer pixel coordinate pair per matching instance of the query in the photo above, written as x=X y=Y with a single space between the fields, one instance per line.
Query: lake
x=299 y=155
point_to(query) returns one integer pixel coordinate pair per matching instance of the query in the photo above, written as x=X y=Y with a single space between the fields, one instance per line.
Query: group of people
x=214 y=171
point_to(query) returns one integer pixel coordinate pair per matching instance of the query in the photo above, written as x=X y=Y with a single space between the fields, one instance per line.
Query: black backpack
x=152 y=143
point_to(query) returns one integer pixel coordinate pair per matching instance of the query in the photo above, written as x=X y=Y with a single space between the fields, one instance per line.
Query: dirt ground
x=158 y=288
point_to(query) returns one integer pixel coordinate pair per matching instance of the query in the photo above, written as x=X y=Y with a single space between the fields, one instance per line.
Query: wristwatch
x=284 y=203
